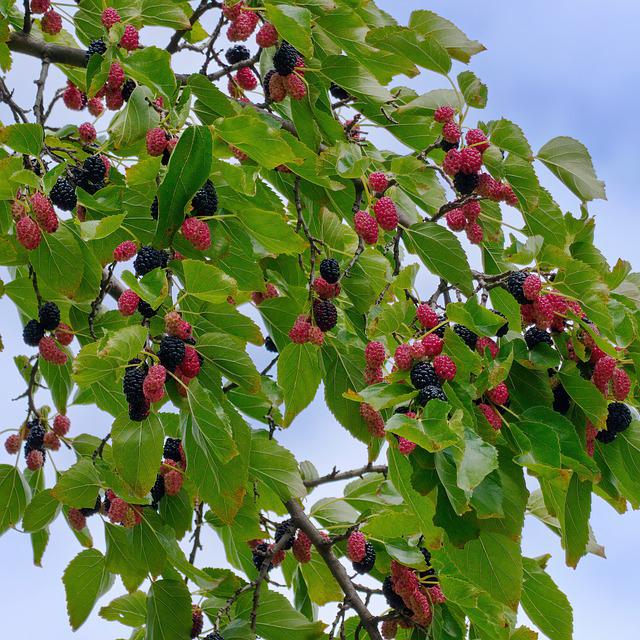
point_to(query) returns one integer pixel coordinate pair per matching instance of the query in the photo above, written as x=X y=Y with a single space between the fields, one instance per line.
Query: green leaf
x=442 y=254
x=58 y=379
x=352 y=76
x=471 y=314
x=473 y=89
x=276 y=619
x=137 y=447
x=151 y=67
x=271 y=230
x=98 y=229
x=275 y=466
x=168 y=610
x=14 y=495
x=320 y=582
x=40 y=512
x=207 y=282
x=132 y=123
x=425 y=52
x=509 y=137
x=78 y=486
x=584 y=393
x=575 y=520
x=188 y=170
x=85 y=579
x=130 y=609
x=547 y=607
x=24 y=138
x=228 y=354
x=298 y=377
x=446 y=33
x=569 y=160
x=493 y=562
x=164 y=13
x=422 y=506
x=293 y=25
x=152 y=287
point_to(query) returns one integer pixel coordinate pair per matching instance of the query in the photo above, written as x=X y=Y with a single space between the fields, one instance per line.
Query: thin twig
x=196 y=533
x=337 y=476
x=105 y=285
x=38 y=108
x=100 y=448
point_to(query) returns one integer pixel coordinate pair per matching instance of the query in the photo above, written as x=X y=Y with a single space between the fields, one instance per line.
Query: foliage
x=440 y=494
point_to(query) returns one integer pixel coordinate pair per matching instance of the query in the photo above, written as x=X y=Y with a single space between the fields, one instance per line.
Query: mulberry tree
x=217 y=190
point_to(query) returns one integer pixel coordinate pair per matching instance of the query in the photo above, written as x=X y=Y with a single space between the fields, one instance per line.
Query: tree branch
x=200 y=10
x=337 y=476
x=56 y=53
x=301 y=520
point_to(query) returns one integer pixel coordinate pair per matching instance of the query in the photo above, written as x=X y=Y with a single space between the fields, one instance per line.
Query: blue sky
x=554 y=68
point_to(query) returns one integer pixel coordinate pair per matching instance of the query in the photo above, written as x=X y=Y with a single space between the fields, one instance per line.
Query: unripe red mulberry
x=451 y=132
x=295 y=86
x=543 y=312
x=51 y=352
x=603 y=372
x=474 y=232
x=445 y=367
x=153 y=384
x=87 y=132
x=246 y=79
x=35 y=460
x=455 y=220
x=77 y=519
x=271 y=291
x=378 y=182
x=492 y=416
x=128 y=302
x=499 y=394
x=389 y=629
x=476 y=138
x=427 y=317
x=470 y=160
x=130 y=38
x=621 y=384
x=232 y=11
x=386 y=213
x=373 y=375
x=197 y=232
x=444 y=114
x=299 y=333
x=114 y=99
x=95 y=106
x=115 y=78
x=302 y=547
x=531 y=286
x=374 y=420
x=356 y=546
x=51 y=441
x=40 y=6
x=28 y=233
x=452 y=162
x=366 y=227
x=61 y=425
x=72 y=97
x=156 y=141
x=277 y=89
x=375 y=354
x=432 y=345
x=316 y=336
x=471 y=211
x=508 y=195
x=405 y=447
x=12 y=444
x=173 y=481
x=51 y=23
x=125 y=251
x=417 y=350
x=110 y=17
x=243 y=26
x=238 y=153
x=489 y=187
x=403 y=357
x=267 y=36
x=487 y=343
x=190 y=365
x=325 y=290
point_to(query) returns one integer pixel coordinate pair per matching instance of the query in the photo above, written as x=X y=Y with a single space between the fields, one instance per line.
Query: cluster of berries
x=287 y=76
x=411 y=593
x=271 y=291
x=361 y=553
x=465 y=164
x=465 y=218
x=493 y=404
x=51 y=21
x=243 y=21
x=32 y=217
x=78 y=517
x=121 y=512
x=311 y=328
x=60 y=334
x=171 y=475
x=204 y=204
x=384 y=209
x=160 y=143
x=37 y=438
x=117 y=88
x=264 y=551
x=143 y=384
x=545 y=310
